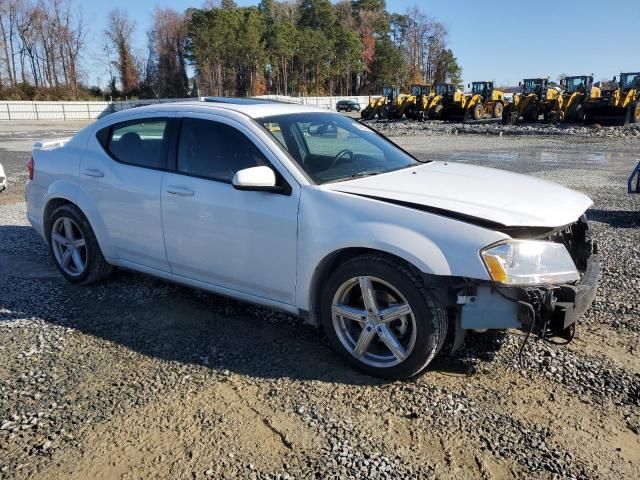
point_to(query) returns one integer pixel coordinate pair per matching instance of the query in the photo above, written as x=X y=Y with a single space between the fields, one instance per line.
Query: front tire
x=392 y=330
x=74 y=248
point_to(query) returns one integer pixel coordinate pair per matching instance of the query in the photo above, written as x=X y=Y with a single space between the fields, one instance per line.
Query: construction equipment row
x=576 y=99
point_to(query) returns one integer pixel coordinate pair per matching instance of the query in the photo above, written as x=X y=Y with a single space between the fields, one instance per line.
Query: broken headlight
x=529 y=262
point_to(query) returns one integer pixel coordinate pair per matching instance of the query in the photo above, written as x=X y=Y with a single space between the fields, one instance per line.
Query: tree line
x=306 y=47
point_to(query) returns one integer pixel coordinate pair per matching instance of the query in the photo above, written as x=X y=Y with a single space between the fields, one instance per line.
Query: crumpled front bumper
x=564 y=304
x=556 y=307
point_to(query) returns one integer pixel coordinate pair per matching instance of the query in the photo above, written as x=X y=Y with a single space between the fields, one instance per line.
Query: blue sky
x=501 y=40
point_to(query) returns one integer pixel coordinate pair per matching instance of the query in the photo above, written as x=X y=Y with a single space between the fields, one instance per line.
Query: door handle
x=180 y=191
x=93 y=172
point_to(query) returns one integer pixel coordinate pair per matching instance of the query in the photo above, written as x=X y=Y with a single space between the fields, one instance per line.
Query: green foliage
x=389 y=65
x=308 y=47
x=317 y=15
x=448 y=70
x=369 y=4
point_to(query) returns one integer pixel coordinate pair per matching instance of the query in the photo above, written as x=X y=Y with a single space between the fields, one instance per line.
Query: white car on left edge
x=315 y=214
x=3 y=179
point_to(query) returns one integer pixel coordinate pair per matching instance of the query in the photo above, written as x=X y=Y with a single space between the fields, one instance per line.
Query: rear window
x=142 y=142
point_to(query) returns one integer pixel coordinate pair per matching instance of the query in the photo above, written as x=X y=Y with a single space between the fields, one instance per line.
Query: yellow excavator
x=483 y=101
x=384 y=106
x=618 y=105
x=576 y=91
x=536 y=98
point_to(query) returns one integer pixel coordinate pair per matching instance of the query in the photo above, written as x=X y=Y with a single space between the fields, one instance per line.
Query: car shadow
x=178 y=324
x=615 y=218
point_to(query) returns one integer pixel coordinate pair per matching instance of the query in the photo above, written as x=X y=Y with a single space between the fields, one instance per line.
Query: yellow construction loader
x=444 y=94
x=417 y=104
x=383 y=106
x=483 y=101
x=536 y=98
x=618 y=105
x=576 y=91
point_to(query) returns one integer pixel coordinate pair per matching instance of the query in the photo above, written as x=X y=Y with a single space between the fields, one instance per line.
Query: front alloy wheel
x=378 y=314
x=373 y=321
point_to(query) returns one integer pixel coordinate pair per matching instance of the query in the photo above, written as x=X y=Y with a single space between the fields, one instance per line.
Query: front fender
x=331 y=222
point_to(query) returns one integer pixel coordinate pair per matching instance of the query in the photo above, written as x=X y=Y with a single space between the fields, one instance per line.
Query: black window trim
x=172 y=163
x=105 y=139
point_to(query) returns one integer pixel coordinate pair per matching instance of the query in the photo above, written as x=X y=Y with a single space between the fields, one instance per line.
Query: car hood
x=482 y=195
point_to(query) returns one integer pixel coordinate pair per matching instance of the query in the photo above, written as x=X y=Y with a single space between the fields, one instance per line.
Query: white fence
x=320 y=102
x=10 y=111
x=42 y=111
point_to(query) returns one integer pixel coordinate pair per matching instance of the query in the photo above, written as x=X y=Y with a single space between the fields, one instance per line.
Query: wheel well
x=51 y=207
x=329 y=264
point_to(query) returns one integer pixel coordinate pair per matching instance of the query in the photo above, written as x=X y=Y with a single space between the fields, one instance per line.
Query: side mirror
x=519 y=84
x=468 y=85
x=256 y=179
x=615 y=78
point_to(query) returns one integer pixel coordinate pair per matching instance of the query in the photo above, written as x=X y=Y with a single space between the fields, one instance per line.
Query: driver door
x=243 y=241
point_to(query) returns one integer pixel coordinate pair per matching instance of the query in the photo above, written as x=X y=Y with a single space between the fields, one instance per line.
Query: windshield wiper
x=366 y=173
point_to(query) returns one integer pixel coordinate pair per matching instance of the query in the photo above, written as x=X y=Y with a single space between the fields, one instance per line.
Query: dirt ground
x=139 y=378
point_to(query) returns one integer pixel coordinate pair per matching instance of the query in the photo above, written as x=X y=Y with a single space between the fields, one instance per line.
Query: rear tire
x=497 y=110
x=74 y=247
x=634 y=108
x=395 y=349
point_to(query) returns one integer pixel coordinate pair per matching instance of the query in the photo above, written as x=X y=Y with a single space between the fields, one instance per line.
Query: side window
x=142 y=143
x=215 y=150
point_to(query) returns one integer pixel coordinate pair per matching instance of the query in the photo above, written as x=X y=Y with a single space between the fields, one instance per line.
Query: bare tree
x=168 y=40
x=120 y=32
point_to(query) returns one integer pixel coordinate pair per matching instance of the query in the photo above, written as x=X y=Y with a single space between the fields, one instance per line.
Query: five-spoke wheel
x=373 y=321
x=69 y=246
x=74 y=246
x=378 y=314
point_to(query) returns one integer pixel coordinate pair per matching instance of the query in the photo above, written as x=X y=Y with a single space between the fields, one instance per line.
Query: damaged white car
x=3 y=179
x=315 y=214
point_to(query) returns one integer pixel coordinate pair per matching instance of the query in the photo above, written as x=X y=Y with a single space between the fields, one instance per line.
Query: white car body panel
x=242 y=238
x=265 y=247
x=3 y=179
x=495 y=195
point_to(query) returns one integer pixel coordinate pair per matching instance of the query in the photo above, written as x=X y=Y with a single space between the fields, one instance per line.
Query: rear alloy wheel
x=74 y=247
x=378 y=315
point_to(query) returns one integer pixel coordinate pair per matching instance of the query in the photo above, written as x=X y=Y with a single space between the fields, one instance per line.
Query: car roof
x=254 y=108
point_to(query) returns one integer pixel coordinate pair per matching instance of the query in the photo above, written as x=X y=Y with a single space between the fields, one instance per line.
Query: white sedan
x=3 y=179
x=315 y=214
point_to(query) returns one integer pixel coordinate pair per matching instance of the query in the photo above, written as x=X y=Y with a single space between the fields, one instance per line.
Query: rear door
x=240 y=240
x=123 y=182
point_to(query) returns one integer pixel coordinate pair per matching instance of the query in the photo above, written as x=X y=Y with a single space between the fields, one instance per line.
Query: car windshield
x=331 y=147
x=629 y=80
x=576 y=84
x=532 y=85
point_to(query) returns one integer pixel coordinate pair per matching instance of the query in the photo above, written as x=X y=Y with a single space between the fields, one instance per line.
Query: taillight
x=31 y=167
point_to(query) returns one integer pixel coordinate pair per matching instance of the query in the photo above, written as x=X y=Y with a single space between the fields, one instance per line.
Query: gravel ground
x=140 y=378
